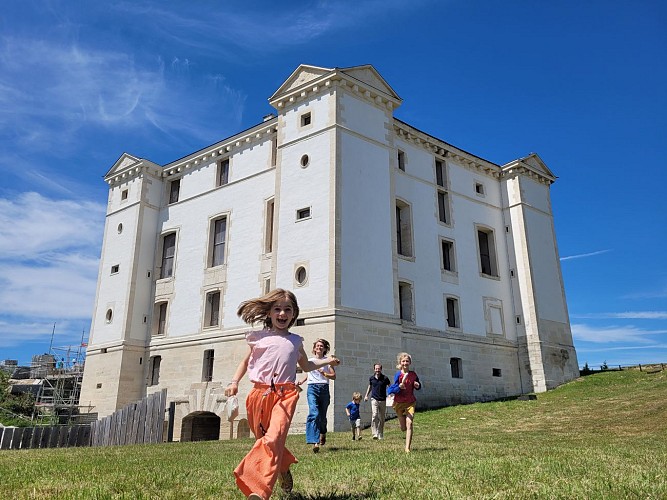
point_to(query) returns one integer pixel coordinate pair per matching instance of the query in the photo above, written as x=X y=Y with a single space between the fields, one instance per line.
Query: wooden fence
x=140 y=422
x=53 y=436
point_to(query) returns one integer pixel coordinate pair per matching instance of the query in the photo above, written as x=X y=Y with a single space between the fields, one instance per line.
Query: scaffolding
x=60 y=373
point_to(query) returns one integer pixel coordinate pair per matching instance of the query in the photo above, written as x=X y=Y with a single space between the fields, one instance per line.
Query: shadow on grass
x=332 y=496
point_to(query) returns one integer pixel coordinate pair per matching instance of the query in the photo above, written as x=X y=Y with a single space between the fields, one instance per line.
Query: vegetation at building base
x=15 y=409
x=601 y=436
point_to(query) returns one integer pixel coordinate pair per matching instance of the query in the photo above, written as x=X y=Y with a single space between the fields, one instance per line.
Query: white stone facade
x=319 y=199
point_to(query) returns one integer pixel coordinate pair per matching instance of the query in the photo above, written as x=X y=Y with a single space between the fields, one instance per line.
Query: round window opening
x=120 y=228
x=109 y=315
x=305 y=161
x=301 y=275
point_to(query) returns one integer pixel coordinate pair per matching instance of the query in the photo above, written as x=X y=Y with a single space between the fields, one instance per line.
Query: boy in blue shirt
x=352 y=410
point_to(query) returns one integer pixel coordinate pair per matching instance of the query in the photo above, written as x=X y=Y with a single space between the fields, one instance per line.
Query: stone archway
x=200 y=426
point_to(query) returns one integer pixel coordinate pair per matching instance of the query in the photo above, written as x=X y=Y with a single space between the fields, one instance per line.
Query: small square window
x=123 y=194
x=303 y=213
x=497 y=372
x=479 y=188
x=305 y=119
x=115 y=269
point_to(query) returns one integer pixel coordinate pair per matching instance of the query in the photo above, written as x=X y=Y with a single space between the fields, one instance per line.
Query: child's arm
x=233 y=386
x=310 y=365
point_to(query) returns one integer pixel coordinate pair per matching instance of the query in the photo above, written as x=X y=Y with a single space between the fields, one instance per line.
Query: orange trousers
x=270 y=411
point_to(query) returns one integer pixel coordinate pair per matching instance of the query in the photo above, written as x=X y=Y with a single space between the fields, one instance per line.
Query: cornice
x=440 y=148
x=325 y=83
x=521 y=169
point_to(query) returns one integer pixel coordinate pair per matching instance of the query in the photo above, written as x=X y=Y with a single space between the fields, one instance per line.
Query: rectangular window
x=168 y=254
x=218 y=241
x=447 y=255
x=303 y=213
x=268 y=231
x=274 y=150
x=213 y=309
x=267 y=285
x=440 y=173
x=154 y=370
x=443 y=207
x=174 y=190
x=497 y=372
x=123 y=194
x=223 y=173
x=207 y=369
x=403 y=230
x=479 y=188
x=487 y=252
x=161 y=326
x=305 y=119
x=452 y=312
x=401 y=160
x=115 y=269
x=457 y=367
x=405 y=301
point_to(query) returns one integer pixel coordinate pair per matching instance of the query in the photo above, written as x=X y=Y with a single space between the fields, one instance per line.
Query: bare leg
x=408 y=434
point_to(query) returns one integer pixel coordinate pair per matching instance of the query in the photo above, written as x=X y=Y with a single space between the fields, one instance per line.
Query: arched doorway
x=200 y=426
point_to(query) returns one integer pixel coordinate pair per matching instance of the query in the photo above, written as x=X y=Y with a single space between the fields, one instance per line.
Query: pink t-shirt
x=273 y=356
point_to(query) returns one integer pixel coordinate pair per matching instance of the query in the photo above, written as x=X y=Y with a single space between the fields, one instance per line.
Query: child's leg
x=358 y=425
x=269 y=418
x=400 y=413
x=354 y=430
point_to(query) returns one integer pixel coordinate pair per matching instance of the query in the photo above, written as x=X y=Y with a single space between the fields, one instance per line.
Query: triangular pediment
x=369 y=75
x=127 y=162
x=533 y=162
x=301 y=75
x=365 y=76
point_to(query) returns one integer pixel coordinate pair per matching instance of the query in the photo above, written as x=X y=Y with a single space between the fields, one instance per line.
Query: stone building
x=392 y=239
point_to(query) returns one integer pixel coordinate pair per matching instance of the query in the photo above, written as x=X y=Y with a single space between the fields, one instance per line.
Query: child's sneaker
x=286 y=481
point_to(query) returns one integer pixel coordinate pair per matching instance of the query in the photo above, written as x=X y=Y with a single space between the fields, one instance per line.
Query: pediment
x=301 y=75
x=127 y=162
x=369 y=75
x=533 y=163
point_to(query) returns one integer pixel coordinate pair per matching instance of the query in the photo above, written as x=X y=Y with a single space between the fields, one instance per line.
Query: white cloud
x=611 y=334
x=624 y=315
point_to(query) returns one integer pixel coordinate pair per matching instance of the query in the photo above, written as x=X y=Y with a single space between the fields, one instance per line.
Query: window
x=274 y=150
x=440 y=173
x=305 y=119
x=457 y=367
x=223 y=173
x=479 y=188
x=493 y=315
x=207 y=369
x=403 y=229
x=161 y=315
x=115 y=269
x=120 y=228
x=154 y=370
x=218 y=241
x=109 y=315
x=123 y=194
x=443 y=207
x=174 y=189
x=405 y=301
x=212 y=309
x=452 y=312
x=497 y=372
x=267 y=285
x=447 y=248
x=268 y=230
x=487 y=252
x=305 y=160
x=303 y=213
x=168 y=253
x=301 y=276
x=401 y=160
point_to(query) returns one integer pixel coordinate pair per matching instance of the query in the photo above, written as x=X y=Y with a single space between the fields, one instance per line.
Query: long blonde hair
x=255 y=310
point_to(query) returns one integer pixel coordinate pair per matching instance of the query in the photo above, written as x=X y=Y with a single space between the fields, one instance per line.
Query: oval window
x=120 y=228
x=305 y=161
x=109 y=315
x=301 y=275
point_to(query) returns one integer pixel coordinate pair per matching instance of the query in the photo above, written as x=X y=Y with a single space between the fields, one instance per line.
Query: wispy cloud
x=583 y=255
x=614 y=334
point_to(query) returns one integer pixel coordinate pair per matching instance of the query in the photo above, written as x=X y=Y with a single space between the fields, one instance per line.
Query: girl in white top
x=318 y=396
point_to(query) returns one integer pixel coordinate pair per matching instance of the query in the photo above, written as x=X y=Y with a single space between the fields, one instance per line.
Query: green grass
x=602 y=436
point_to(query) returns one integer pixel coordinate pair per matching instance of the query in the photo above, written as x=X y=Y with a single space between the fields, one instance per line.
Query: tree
x=13 y=406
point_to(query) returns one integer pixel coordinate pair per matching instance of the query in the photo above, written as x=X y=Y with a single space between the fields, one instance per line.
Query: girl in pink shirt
x=271 y=366
x=404 y=401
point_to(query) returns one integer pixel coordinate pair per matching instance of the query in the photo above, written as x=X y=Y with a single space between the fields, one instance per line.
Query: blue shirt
x=354 y=410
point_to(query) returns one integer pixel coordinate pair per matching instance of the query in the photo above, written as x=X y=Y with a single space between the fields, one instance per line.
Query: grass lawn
x=602 y=436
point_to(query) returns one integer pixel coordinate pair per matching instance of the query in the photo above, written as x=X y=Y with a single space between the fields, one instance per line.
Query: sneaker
x=359 y=438
x=375 y=437
x=286 y=481
x=316 y=448
x=255 y=496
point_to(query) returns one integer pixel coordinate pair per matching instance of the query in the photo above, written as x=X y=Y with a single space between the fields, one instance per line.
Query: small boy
x=352 y=410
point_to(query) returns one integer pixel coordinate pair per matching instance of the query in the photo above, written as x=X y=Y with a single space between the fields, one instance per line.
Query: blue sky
x=583 y=84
